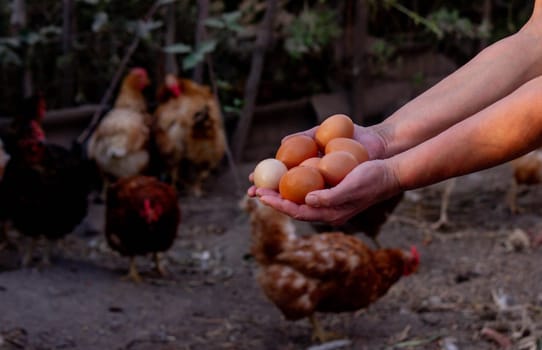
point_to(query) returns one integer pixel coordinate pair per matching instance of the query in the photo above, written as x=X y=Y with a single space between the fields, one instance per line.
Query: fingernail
x=312 y=200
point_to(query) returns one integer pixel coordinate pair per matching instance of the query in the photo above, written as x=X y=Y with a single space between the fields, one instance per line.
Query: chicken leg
x=197 y=188
x=27 y=257
x=443 y=219
x=46 y=256
x=133 y=274
x=319 y=333
x=512 y=198
x=174 y=177
x=158 y=266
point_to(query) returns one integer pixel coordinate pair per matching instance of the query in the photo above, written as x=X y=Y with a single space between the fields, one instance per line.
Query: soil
x=470 y=283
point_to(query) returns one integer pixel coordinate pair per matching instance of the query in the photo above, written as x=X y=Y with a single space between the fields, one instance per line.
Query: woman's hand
x=369 y=183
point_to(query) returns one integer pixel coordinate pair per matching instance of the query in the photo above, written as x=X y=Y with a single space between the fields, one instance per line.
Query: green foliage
x=415 y=17
x=307 y=30
x=226 y=21
x=311 y=31
x=382 y=51
x=8 y=56
x=450 y=22
x=198 y=55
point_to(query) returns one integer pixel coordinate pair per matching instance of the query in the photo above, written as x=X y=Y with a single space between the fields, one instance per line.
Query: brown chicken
x=119 y=145
x=142 y=217
x=527 y=170
x=328 y=272
x=188 y=131
x=369 y=221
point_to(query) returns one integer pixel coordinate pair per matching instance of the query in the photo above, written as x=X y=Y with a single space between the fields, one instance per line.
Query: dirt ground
x=469 y=280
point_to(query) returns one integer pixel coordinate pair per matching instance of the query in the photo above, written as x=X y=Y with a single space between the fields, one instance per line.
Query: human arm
x=506 y=129
x=492 y=74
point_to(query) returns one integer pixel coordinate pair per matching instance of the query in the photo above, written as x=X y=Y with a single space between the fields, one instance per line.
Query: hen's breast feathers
x=170 y=128
x=131 y=99
x=319 y=273
x=325 y=255
x=120 y=142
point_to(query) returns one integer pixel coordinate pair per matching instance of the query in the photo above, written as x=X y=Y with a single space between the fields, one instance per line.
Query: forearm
x=491 y=75
x=501 y=132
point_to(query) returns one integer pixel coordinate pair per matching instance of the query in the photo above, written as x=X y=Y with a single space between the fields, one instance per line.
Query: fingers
x=307 y=213
x=298 y=212
x=311 y=132
x=251 y=192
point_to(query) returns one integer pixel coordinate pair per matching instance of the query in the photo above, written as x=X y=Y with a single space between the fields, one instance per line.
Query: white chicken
x=119 y=145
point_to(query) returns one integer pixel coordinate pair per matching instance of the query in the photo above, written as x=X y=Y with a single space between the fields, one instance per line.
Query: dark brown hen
x=45 y=186
x=142 y=216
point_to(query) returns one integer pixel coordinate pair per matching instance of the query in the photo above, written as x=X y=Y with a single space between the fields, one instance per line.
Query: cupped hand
x=364 y=186
x=369 y=183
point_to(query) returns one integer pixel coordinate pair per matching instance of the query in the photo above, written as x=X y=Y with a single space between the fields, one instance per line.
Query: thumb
x=324 y=198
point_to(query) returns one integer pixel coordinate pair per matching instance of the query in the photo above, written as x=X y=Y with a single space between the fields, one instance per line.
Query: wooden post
x=201 y=33
x=358 y=60
x=251 y=89
x=171 y=65
x=68 y=27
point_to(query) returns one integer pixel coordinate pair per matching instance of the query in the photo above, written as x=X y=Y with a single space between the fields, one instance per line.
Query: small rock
x=431 y=319
x=449 y=343
x=517 y=241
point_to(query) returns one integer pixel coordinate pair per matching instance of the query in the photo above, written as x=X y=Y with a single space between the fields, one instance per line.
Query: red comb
x=147 y=204
x=139 y=71
x=173 y=85
x=415 y=254
x=37 y=131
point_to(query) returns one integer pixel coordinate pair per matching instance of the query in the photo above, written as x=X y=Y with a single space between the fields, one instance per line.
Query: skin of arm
x=485 y=113
x=501 y=132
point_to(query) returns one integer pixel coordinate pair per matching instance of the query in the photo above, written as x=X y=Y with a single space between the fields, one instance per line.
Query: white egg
x=268 y=173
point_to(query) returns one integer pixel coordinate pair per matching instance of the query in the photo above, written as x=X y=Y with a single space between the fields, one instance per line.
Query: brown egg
x=349 y=145
x=312 y=162
x=298 y=181
x=338 y=125
x=335 y=166
x=296 y=149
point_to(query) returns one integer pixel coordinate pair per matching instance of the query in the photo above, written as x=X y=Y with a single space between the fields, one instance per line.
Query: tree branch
x=116 y=78
x=67 y=41
x=251 y=90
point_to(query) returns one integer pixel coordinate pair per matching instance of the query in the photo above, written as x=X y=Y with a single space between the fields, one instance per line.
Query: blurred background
x=363 y=57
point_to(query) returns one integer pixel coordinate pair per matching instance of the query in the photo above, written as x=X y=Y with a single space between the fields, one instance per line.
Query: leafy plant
x=311 y=31
x=450 y=22
x=226 y=21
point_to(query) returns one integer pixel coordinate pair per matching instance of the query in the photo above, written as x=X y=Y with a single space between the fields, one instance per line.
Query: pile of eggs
x=303 y=164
